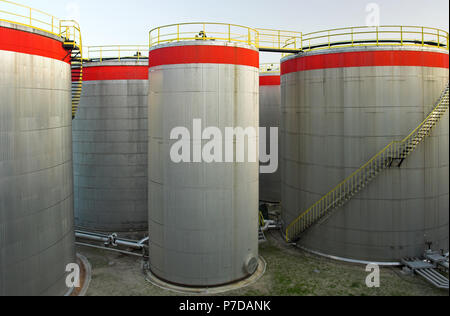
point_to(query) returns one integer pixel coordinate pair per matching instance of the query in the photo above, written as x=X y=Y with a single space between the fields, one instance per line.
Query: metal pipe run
x=110 y=249
x=112 y=240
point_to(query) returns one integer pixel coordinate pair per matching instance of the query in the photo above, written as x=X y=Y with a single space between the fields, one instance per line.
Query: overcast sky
x=107 y=22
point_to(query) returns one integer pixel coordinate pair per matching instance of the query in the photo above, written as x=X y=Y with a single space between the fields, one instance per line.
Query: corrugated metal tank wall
x=110 y=147
x=269 y=114
x=203 y=218
x=36 y=182
x=339 y=108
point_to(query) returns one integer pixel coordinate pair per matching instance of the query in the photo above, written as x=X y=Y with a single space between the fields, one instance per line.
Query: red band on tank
x=269 y=80
x=204 y=54
x=366 y=59
x=33 y=44
x=115 y=73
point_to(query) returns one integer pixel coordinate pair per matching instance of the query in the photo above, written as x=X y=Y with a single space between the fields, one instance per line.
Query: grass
x=290 y=272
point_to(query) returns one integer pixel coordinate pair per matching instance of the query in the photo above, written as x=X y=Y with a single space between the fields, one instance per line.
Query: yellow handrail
x=279 y=39
x=394 y=150
x=119 y=52
x=262 y=221
x=20 y=14
x=269 y=68
x=376 y=36
x=210 y=31
x=24 y=15
x=291 y=41
x=68 y=30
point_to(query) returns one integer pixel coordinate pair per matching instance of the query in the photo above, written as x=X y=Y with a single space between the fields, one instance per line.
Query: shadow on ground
x=290 y=272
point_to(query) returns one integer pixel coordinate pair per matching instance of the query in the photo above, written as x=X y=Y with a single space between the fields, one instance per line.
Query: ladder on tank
x=76 y=63
x=392 y=155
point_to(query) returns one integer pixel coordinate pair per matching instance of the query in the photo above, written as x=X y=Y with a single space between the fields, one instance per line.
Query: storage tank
x=36 y=182
x=110 y=147
x=269 y=115
x=342 y=106
x=203 y=217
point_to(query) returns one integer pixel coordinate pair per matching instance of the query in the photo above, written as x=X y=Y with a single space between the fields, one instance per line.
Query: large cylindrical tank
x=203 y=217
x=340 y=107
x=110 y=147
x=269 y=115
x=36 y=182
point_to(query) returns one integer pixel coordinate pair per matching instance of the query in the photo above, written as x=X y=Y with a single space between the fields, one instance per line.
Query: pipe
x=109 y=249
x=111 y=240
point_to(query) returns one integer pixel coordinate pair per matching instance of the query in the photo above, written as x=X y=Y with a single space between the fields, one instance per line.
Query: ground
x=290 y=272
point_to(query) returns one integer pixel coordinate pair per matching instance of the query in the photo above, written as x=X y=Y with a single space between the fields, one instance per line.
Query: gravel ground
x=290 y=272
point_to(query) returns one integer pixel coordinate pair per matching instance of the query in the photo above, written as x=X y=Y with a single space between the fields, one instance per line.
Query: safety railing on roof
x=116 y=52
x=68 y=30
x=24 y=15
x=204 y=31
x=375 y=36
x=279 y=40
x=269 y=68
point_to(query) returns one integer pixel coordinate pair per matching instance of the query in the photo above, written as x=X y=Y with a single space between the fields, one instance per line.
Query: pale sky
x=105 y=22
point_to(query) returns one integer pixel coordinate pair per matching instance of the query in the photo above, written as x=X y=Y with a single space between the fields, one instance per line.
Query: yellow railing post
x=101 y=54
x=119 y=52
x=329 y=40
x=178 y=32
x=279 y=39
x=229 y=33
x=353 y=38
x=438 y=39
x=31 y=19
x=378 y=37
x=301 y=40
x=401 y=34
x=423 y=37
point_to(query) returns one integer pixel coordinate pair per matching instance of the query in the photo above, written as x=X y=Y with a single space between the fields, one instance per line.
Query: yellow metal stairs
x=70 y=31
x=77 y=74
x=393 y=154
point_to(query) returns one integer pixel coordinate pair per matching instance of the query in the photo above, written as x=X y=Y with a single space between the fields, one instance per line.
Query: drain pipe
x=111 y=240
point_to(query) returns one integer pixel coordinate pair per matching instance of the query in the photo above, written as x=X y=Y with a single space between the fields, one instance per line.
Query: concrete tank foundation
x=269 y=115
x=340 y=107
x=110 y=147
x=36 y=182
x=203 y=217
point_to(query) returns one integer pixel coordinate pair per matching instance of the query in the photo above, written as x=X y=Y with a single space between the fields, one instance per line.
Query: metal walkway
x=428 y=270
x=391 y=156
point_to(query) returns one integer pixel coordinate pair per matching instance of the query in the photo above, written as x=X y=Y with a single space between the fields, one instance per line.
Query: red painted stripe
x=366 y=59
x=115 y=73
x=33 y=44
x=204 y=54
x=269 y=80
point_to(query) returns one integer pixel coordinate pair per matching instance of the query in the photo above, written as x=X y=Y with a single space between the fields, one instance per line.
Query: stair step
x=405 y=150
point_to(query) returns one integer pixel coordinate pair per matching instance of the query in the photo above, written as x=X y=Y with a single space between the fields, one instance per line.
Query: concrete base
x=209 y=290
x=85 y=274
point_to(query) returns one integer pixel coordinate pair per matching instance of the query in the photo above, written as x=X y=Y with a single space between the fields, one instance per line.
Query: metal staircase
x=70 y=31
x=77 y=78
x=392 y=155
